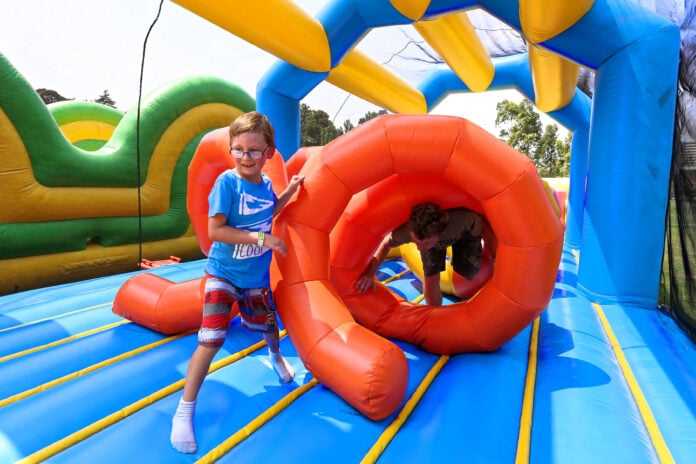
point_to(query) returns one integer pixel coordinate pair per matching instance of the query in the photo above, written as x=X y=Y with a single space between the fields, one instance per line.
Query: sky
x=80 y=48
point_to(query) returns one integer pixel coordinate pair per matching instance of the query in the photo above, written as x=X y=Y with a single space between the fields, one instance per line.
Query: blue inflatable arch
x=622 y=139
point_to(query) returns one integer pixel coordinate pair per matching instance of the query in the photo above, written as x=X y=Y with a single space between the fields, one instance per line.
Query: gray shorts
x=466 y=258
x=256 y=308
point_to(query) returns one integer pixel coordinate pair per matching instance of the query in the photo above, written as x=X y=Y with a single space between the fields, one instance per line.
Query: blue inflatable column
x=284 y=114
x=278 y=96
x=576 y=188
x=629 y=165
x=576 y=117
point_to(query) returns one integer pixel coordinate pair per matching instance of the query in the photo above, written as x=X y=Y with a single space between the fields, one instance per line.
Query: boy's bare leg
x=182 y=436
x=284 y=370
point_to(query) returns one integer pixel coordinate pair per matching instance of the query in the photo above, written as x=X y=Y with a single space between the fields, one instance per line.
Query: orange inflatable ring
x=359 y=187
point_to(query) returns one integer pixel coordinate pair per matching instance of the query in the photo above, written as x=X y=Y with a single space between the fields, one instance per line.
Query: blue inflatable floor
x=582 y=384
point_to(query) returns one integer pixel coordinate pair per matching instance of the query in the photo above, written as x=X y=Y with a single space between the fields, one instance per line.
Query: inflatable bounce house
x=555 y=354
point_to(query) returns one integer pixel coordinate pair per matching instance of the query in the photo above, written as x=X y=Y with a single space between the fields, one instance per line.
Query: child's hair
x=427 y=220
x=253 y=121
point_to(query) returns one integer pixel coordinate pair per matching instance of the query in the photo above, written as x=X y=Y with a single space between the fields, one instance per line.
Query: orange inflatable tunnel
x=168 y=307
x=362 y=185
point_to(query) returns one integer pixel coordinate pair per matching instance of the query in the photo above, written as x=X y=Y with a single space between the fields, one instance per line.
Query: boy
x=433 y=229
x=242 y=205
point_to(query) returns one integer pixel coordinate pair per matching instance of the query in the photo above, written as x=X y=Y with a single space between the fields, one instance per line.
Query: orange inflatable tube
x=160 y=304
x=373 y=176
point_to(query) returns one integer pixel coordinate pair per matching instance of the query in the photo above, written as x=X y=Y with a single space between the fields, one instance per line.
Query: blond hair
x=253 y=121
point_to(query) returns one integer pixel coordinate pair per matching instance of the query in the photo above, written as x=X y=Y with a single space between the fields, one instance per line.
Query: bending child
x=242 y=205
x=433 y=229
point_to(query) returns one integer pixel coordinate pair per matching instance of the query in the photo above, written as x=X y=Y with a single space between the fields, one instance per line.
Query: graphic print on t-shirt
x=252 y=250
x=249 y=204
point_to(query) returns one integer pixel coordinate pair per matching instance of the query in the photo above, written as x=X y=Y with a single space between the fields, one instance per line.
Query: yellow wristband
x=261 y=238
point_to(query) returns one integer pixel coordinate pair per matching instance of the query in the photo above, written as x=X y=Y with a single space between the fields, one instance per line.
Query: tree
x=315 y=127
x=347 y=126
x=371 y=115
x=105 y=99
x=50 y=96
x=522 y=130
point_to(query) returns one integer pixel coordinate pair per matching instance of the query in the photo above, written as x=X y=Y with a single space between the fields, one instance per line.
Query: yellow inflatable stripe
x=412 y=9
x=278 y=26
x=663 y=452
x=87 y=130
x=525 y=434
x=454 y=38
x=395 y=277
x=62 y=341
x=555 y=78
x=87 y=370
x=86 y=432
x=246 y=431
x=390 y=432
x=365 y=78
x=36 y=203
x=52 y=318
x=544 y=19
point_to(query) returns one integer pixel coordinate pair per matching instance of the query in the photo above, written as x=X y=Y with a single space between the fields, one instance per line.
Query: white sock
x=281 y=366
x=182 y=437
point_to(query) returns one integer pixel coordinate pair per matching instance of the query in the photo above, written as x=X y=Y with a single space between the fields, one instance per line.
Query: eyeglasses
x=253 y=154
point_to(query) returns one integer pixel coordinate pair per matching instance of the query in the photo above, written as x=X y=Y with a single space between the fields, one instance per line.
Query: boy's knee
x=466 y=269
x=212 y=338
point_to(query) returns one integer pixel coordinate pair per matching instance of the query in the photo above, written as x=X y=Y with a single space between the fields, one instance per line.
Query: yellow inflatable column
x=365 y=78
x=454 y=38
x=554 y=77
x=544 y=19
x=278 y=26
x=412 y=9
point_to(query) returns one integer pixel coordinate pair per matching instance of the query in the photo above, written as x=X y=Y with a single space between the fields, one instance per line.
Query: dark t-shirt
x=463 y=233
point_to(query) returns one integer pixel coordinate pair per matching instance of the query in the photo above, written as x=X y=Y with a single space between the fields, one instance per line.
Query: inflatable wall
x=90 y=197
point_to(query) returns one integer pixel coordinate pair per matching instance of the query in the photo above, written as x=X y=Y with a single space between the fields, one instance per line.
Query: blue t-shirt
x=246 y=206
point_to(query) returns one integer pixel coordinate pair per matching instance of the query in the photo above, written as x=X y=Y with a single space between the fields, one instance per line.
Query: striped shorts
x=256 y=308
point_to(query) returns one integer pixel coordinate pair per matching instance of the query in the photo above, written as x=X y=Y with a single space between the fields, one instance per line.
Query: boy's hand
x=295 y=182
x=364 y=282
x=289 y=191
x=275 y=244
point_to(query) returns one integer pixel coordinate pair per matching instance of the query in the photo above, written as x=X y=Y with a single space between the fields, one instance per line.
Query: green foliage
x=105 y=99
x=347 y=126
x=522 y=130
x=371 y=115
x=317 y=129
x=50 y=96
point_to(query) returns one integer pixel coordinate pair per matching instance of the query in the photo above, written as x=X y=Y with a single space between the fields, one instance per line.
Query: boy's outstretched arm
x=366 y=279
x=295 y=182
